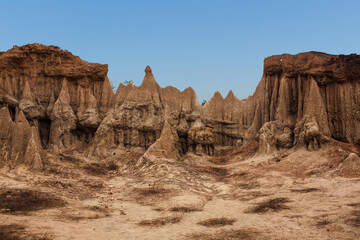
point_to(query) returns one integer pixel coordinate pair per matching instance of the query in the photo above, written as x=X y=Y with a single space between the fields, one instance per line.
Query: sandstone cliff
x=61 y=97
x=51 y=100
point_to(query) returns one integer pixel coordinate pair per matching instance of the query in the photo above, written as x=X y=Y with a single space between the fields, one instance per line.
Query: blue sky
x=208 y=45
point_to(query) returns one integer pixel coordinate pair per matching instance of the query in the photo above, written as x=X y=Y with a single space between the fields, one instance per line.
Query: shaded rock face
x=53 y=100
x=308 y=95
x=62 y=97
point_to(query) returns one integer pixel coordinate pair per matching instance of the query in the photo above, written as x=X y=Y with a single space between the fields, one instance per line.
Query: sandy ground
x=168 y=200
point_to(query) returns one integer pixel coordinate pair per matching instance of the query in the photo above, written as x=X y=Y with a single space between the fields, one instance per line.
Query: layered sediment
x=51 y=100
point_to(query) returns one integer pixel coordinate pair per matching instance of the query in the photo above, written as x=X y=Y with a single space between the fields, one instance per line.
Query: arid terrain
x=79 y=161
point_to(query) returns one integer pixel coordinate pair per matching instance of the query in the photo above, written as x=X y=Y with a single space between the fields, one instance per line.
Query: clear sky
x=208 y=45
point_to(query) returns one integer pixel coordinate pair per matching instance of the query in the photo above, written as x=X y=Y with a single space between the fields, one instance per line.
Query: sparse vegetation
x=18 y=232
x=203 y=102
x=354 y=204
x=160 y=221
x=24 y=200
x=305 y=190
x=354 y=219
x=217 y=222
x=153 y=189
x=234 y=234
x=323 y=223
x=217 y=172
x=185 y=209
x=113 y=86
x=275 y=205
x=250 y=185
x=57 y=184
x=126 y=82
x=100 y=168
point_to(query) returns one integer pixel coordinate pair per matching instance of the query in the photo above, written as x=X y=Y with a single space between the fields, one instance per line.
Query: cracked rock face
x=51 y=100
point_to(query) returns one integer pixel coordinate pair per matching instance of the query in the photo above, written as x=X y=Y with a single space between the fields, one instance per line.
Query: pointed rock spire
x=230 y=96
x=149 y=80
x=217 y=95
x=149 y=90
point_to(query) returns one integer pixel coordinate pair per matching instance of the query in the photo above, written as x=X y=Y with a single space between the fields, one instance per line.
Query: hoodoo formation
x=53 y=101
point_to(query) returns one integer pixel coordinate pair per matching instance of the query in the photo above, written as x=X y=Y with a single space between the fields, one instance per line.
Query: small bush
x=323 y=223
x=24 y=200
x=305 y=190
x=237 y=234
x=18 y=232
x=154 y=189
x=100 y=168
x=276 y=204
x=160 y=221
x=185 y=209
x=354 y=219
x=217 y=222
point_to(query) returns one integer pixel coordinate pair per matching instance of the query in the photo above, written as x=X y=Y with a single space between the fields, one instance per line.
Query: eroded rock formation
x=58 y=95
x=51 y=100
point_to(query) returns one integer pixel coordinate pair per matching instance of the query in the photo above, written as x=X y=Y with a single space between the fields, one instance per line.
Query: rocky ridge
x=55 y=102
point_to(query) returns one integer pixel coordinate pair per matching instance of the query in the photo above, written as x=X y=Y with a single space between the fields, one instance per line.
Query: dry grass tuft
x=24 y=200
x=234 y=234
x=217 y=222
x=160 y=221
x=18 y=232
x=185 y=209
x=275 y=205
x=305 y=190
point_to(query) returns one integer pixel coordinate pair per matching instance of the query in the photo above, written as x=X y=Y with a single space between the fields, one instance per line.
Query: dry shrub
x=95 y=169
x=92 y=184
x=18 y=232
x=275 y=205
x=234 y=234
x=354 y=204
x=154 y=189
x=24 y=200
x=305 y=190
x=251 y=185
x=185 y=209
x=57 y=184
x=160 y=221
x=354 y=219
x=151 y=194
x=323 y=223
x=217 y=222
x=218 y=173
x=100 y=168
